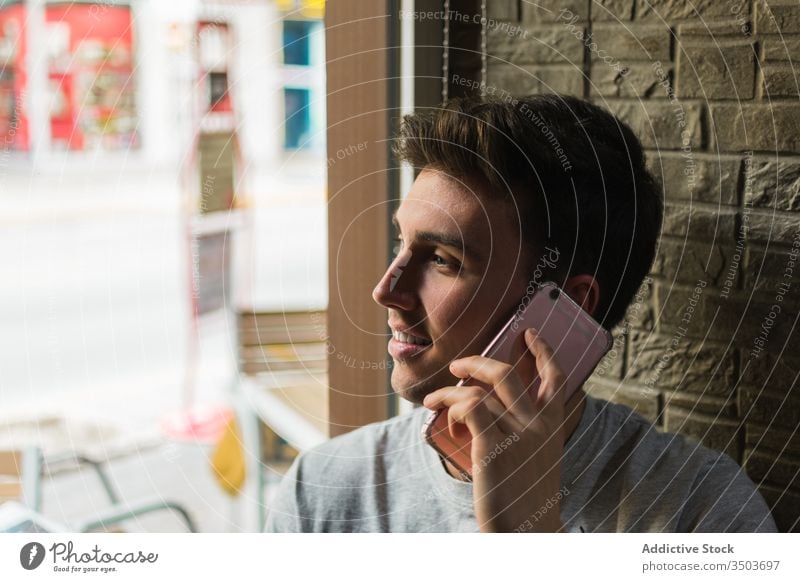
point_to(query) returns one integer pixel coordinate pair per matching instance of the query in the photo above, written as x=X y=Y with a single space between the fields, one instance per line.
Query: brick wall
x=710 y=346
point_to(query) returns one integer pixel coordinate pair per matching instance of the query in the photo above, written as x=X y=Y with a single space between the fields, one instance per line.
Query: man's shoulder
x=646 y=442
x=650 y=456
x=364 y=445
x=706 y=487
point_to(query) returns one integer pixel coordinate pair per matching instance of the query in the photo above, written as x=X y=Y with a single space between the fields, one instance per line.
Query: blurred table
x=283 y=365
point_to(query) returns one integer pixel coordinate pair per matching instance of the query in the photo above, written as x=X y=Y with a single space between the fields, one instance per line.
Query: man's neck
x=572 y=413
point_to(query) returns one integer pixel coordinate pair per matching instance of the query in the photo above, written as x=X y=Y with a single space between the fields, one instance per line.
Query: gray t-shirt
x=618 y=474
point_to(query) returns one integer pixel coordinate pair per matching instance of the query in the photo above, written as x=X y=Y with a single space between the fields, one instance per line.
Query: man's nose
x=396 y=288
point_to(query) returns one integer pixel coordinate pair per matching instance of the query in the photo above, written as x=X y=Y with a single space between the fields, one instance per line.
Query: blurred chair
x=281 y=406
x=21 y=476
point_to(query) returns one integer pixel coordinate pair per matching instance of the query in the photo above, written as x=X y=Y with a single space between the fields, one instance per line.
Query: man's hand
x=516 y=486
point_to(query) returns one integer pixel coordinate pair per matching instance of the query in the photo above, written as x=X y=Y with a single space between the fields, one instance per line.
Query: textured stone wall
x=710 y=346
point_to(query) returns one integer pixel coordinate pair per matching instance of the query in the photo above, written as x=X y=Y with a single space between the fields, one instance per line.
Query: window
x=218 y=91
x=297 y=42
x=298 y=118
x=302 y=74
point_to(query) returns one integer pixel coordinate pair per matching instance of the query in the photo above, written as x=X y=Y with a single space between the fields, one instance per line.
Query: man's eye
x=450 y=265
x=398 y=245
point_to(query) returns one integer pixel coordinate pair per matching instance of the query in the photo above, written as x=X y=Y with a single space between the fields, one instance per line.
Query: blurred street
x=96 y=317
x=143 y=146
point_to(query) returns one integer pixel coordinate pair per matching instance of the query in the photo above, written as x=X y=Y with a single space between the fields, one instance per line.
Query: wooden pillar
x=359 y=205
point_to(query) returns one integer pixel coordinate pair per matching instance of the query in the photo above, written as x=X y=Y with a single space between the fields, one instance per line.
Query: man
x=544 y=185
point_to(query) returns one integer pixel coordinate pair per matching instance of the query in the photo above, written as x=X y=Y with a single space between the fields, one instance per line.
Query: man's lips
x=406 y=343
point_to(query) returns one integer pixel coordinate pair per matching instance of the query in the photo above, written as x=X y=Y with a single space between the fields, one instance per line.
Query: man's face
x=458 y=276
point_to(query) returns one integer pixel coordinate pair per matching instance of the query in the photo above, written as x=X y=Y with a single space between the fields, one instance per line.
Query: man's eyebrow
x=444 y=240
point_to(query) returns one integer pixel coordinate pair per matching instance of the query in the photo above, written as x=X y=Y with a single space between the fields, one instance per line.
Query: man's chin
x=415 y=390
x=415 y=394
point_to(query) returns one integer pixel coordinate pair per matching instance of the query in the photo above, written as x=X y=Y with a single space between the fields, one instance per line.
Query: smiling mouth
x=405 y=346
x=407 y=338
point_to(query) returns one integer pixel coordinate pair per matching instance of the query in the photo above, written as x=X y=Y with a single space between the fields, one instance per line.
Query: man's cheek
x=462 y=340
x=446 y=297
x=446 y=314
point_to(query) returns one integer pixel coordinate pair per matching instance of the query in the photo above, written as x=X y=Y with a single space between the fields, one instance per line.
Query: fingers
x=553 y=381
x=472 y=406
x=514 y=406
x=508 y=387
x=483 y=417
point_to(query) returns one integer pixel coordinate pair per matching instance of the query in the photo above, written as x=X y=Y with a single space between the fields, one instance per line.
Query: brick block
x=612 y=10
x=785 y=507
x=710 y=31
x=674 y=310
x=630 y=81
x=631 y=43
x=549 y=11
x=729 y=280
x=751 y=320
x=780 y=81
x=779 y=469
x=774 y=228
x=698 y=178
x=661 y=125
x=769 y=371
x=688 y=261
x=781 y=16
x=766 y=270
x=721 y=434
x=697 y=223
x=707 y=404
x=770 y=407
x=764 y=439
x=779 y=48
x=770 y=183
x=534 y=80
x=670 y=10
x=507 y=10
x=643 y=401
x=719 y=317
x=714 y=71
x=767 y=326
x=541 y=44
x=678 y=363
x=755 y=127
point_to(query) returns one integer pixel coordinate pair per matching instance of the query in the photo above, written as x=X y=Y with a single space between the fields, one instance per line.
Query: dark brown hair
x=574 y=173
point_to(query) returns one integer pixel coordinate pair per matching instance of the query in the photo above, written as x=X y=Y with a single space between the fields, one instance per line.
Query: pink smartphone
x=578 y=344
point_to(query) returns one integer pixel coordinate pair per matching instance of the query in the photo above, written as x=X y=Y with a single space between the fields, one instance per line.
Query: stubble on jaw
x=417 y=391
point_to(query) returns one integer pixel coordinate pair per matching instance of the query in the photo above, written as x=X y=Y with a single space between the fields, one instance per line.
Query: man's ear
x=585 y=291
